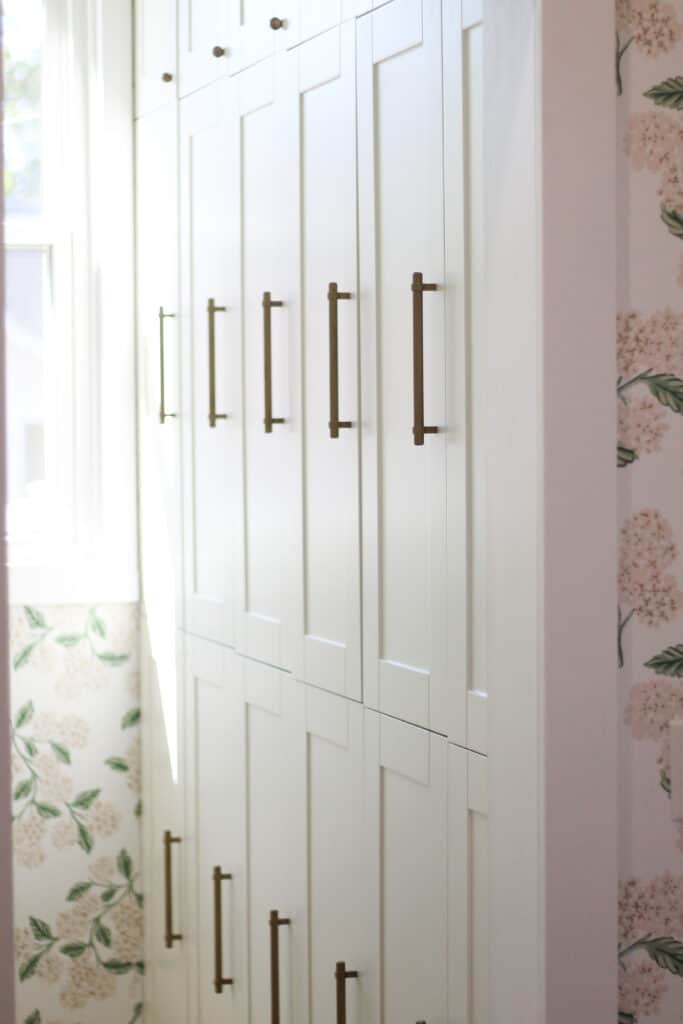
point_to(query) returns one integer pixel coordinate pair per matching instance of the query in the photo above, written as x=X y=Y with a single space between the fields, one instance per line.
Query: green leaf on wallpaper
x=40 y=930
x=25 y=656
x=625 y=456
x=667 y=389
x=29 y=746
x=47 y=810
x=627 y=1018
x=140 y=966
x=667 y=953
x=673 y=220
x=137 y=1014
x=668 y=93
x=22 y=789
x=130 y=718
x=60 y=752
x=28 y=969
x=96 y=624
x=118 y=966
x=24 y=715
x=85 y=839
x=117 y=764
x=124 y=863
x=139 y=899
x=138 y=809
x=665 y=783
x=74 y=949
x=669 y=662
x=35 y=618
x=109 y=894
x=34 y=1018
x=113 y=659
x=84 y=801
x=78 y=890
x=69 y=639
x=102 y=933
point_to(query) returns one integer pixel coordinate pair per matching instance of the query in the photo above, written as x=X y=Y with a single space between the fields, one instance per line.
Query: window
x=67 y=137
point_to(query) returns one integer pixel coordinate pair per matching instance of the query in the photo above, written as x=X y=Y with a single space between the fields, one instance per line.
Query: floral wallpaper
x=649 y=648
x=76 y=807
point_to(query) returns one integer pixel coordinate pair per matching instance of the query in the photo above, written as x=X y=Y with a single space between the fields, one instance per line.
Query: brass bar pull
x=275 y=922
x=212 y=309
x=333 y=297
x=170 y=936
x=341 y=974
x=419 y=429
x=163 y=415
x=219 y=876
x=268 y=418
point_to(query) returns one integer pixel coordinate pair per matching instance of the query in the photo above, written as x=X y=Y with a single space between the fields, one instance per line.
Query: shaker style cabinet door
x=158 y=327
x=316 y=16
x=338 y=966
x=260 y=29
x=406 y=872
x=264 y=205
x=407 y=616
x=325 y=97
x=156 y=71
x=214 y=835
x=204 y=31
x=211 y=369
x=166 y=921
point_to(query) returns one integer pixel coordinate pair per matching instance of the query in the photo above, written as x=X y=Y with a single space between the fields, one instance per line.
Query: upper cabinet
x=156 y=72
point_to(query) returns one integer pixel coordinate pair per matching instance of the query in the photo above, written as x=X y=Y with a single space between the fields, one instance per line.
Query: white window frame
x=92 y=244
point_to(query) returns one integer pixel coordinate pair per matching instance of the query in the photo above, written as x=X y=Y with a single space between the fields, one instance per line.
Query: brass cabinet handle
x=419 y=429
x=219 y=876
x=268 y=418
x=275 y=922
x=212 y=309
x=163 y=415
x=167 y=77
x=170 y=936
x=333 y=297
x=276 y=23
x=218 y=51
x=341 y=974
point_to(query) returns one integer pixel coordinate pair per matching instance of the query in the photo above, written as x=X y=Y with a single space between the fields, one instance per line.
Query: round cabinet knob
x=276 y=23
x=218 y=51
x=167 y=77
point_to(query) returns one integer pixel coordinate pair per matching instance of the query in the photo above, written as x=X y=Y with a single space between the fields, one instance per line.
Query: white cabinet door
x=156 y=73
x=162 y=801
x=275 y=793
x=406 y=872
x=468 y=909
x=215 y=835
x=158 y=324
x=204 y=28
x=331 y=413
x=257 y=108
x=211 y=371
x=336 y=907
x=259 y=29
x=316 y=16
x=401 y=203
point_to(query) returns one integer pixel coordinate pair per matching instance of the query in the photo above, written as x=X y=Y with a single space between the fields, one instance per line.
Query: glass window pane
x=24 y=34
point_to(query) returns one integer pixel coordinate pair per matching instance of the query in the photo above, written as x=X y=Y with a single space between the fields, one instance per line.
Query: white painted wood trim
x=553 y=708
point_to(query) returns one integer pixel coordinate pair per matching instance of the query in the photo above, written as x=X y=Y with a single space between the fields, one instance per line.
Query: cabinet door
x=468 y=887
x=257 y=107
x=211 y=374
x=215 y=834
x=406 y=872
x=275 y=794
x=158 y=323
x=155 y=54
x=204 y=31
x=336 y=907
x=401 y=204
x=331 y=470
x=316 y=16
x=259 y=29
x=162 y=798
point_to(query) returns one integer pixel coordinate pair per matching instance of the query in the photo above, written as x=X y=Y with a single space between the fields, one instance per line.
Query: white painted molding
x=553 y=707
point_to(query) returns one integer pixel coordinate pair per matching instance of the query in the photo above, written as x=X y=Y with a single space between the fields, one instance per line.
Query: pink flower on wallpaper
x=642 y=425
x=651 y=139
x=647 y=590
x=651 y=25
x=653 y=907
x=651 y=707
x=646 y=343
x=642 y=986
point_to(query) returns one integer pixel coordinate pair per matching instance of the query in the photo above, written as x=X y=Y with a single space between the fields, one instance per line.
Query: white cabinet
x=203 y=40
x=156 y=74
x=406 y=871
x=316 y=16
x=158 y=328
x=211 y=368
x=166 y=906
x=262 y=185
x=325 y=98
x=408 y=612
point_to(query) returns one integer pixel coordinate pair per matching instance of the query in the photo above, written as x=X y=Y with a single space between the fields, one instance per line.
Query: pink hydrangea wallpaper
x=76 y=808
x=649 y=83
